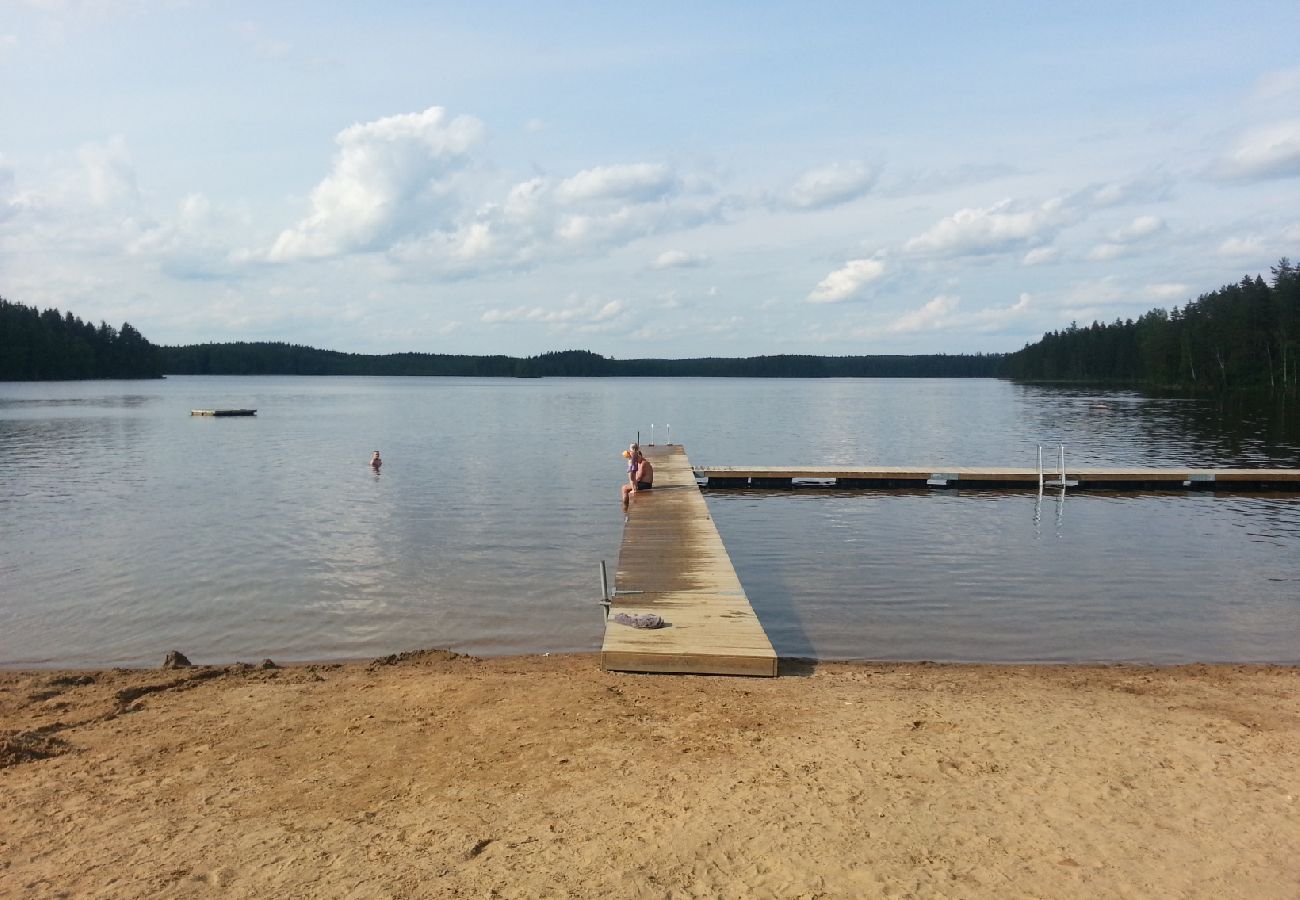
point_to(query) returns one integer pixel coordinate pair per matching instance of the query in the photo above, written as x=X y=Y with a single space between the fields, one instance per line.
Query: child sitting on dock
x=640 y=474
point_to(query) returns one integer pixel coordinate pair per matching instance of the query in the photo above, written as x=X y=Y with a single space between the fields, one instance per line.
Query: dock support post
x=604 y=588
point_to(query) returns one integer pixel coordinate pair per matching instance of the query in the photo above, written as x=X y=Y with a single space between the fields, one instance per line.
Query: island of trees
x=49 y=346
x=1244 y=336
x=292 y=359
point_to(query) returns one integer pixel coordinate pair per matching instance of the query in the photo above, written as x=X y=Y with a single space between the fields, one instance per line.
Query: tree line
x=50 y=346
x=1244 y=336
x=243 y=358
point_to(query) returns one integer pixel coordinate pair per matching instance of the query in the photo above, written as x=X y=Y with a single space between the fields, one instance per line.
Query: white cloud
x=545 y=220
x=678 y=259
x=579 y=314
x=1105 y=252
x=7 y=44
x=932 y=315
x=1241 y=247
x=942 y=314
x=1146 y=188
x=1040 y=255
x=1141 y=227
x=997 y=318
x=846 y=282
x=830 y=185
x=637 y=182
x=391 y=176
x=109 y=172
x=1266 y=153
x=1167 y=291
x=994 y=229
x=1292 y=233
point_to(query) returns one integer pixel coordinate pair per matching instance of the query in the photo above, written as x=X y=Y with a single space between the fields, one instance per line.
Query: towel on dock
x=644 y=620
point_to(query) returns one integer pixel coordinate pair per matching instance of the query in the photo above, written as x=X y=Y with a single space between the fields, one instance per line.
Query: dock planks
x=998 y=476
x=672 y=563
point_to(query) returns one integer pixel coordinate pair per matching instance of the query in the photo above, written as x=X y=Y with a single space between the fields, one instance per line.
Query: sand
x=437 y=775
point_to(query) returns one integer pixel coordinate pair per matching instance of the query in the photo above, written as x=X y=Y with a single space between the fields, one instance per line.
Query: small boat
x=223 y=412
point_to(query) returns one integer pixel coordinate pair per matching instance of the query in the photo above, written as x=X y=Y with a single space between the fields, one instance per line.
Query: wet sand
x=436 y=775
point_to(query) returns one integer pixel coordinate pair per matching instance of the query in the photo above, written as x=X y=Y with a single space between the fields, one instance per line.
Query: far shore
x=436 y=774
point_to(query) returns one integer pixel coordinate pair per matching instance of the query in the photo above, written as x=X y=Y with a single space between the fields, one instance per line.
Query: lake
x=129 y=528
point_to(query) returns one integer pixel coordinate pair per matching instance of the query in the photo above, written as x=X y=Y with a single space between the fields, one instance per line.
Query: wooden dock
x=1117 y=478
x=223 y=412
x=672 y=563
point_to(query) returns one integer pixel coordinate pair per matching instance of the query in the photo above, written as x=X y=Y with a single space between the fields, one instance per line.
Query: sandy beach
x=436 y=775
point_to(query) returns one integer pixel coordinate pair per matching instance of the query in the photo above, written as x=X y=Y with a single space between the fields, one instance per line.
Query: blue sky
x=723 y=179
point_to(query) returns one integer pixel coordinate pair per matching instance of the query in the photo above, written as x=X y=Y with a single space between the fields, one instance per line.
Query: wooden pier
x=672 y=564
x=1117 y=478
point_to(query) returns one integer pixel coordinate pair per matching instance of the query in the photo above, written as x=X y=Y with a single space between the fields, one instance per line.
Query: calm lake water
x=128 y=528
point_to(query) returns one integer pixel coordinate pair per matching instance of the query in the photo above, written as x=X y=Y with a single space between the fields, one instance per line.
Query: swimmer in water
x=375 y=461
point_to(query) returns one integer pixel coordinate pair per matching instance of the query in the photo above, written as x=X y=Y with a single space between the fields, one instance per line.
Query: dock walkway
x=673 y=564
x=1118 y=478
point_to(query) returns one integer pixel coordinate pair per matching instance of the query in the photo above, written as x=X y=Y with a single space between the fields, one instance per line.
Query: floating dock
x=672 y=563
x=985 y=477
x=223 y=412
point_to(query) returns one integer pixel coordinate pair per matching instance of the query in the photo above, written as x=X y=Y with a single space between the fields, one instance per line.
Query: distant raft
x=223 y=412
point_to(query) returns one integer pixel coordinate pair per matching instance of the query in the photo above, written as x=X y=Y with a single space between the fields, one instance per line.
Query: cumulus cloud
x=932 y=315
x=583 y=315
x=846 y=282
x=1040 y=255
x=390 y=176
x=830 y=185
x=678 y=259
x=545 y=219
x=1241 y=247
x=638 y=182
x=1266 y=153
x=1139 y=228
x=1122 y=240
x=999 y=228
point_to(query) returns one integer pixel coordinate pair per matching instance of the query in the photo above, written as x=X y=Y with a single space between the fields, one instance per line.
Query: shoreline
x=433 y=773
x=787 y=666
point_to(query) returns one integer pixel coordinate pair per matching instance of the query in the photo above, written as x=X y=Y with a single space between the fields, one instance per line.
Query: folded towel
x=644 y=620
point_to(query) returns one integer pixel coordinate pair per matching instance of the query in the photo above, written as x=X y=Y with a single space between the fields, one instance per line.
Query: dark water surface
x=128 y=528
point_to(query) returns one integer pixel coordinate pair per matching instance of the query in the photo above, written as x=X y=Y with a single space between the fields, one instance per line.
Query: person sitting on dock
x=375 y=461
x=640 y=474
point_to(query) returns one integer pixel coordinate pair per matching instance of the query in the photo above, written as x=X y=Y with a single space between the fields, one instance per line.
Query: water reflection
x=128 y=528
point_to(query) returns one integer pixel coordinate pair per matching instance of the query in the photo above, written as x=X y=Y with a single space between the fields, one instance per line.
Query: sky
x=671 y=180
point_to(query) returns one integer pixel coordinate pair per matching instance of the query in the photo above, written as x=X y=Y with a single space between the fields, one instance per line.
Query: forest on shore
x=1244 y=336
x=291 y=359
x=1241 y=337
x=50 y=346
